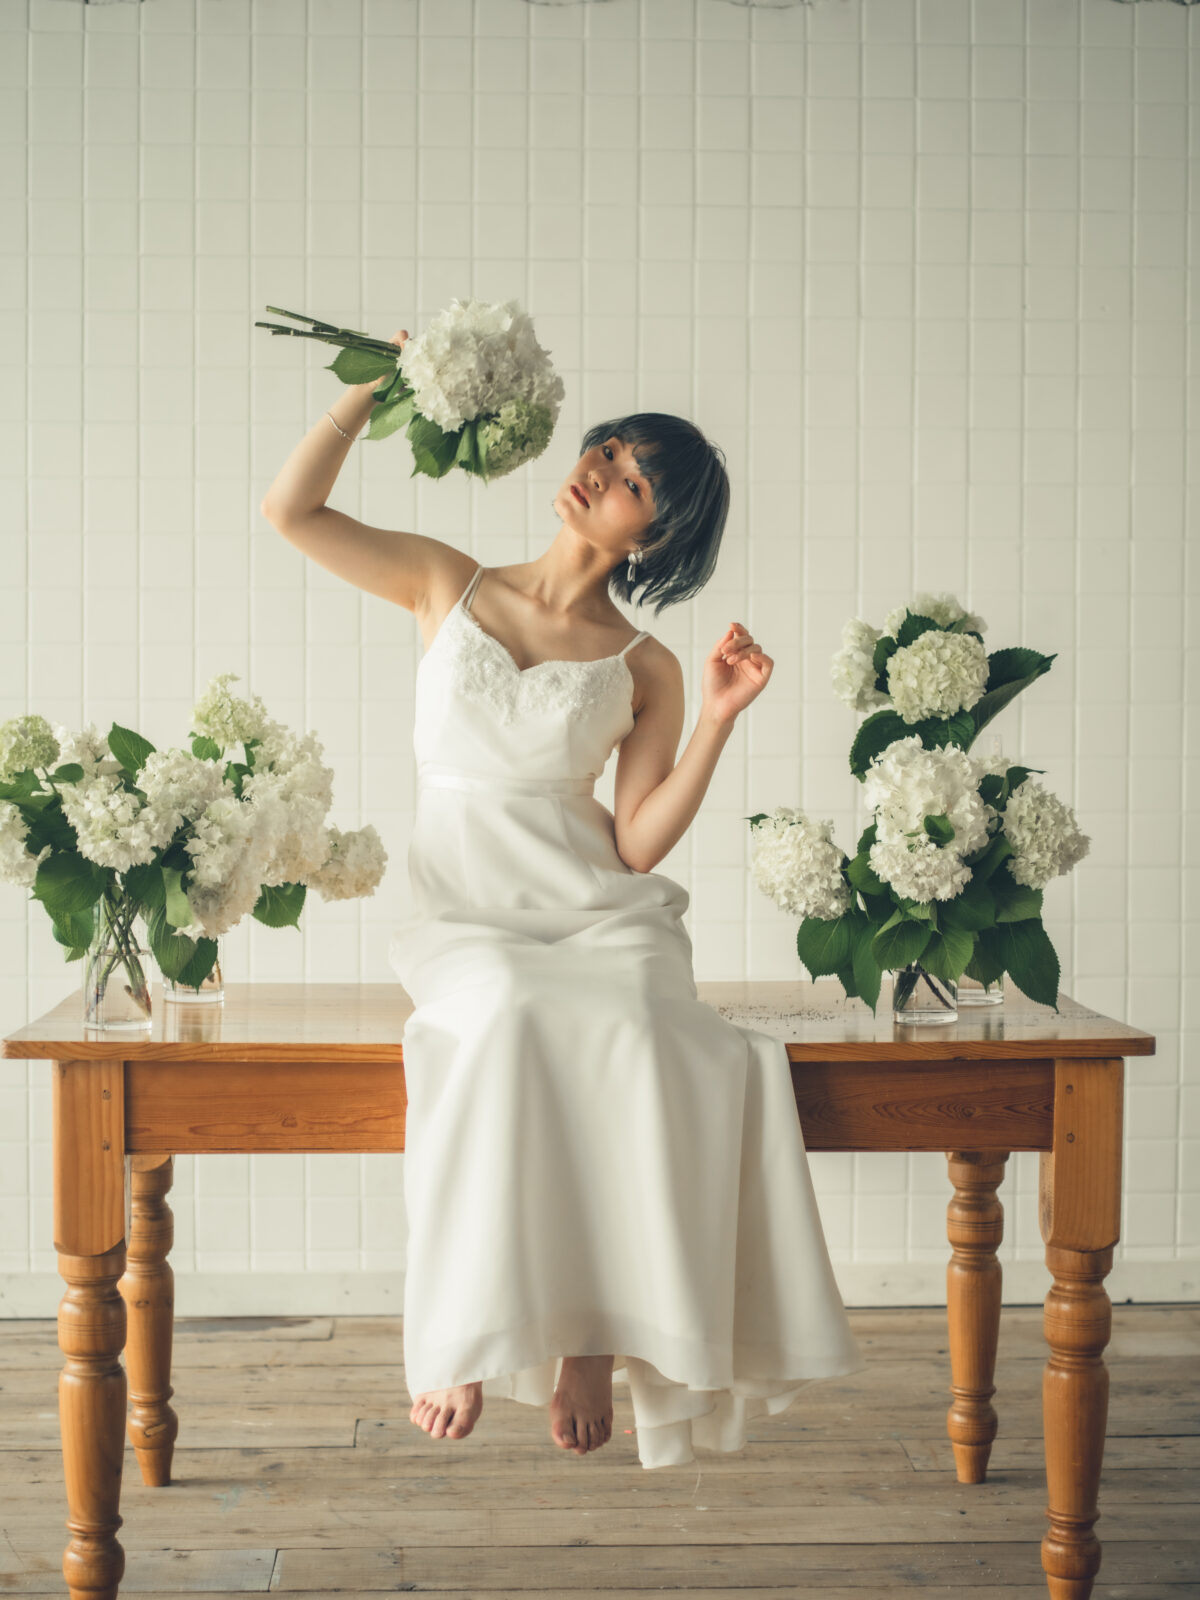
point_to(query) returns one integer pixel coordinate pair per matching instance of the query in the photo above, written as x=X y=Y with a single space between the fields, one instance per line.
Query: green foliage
x=175 y=902
x=281 y=907
x=913 y=626
x=940 y=829
x=825 y=945
x=201 y=964
x=985 y=861
x=987 y=964
x=1015 y=902
x=948 y=952
x=433 y=449
x=173 y=951
x=880 y=729
x=129 y=748
x=900 y=941
x=361 y=366
x=67 y=883
x=974 y=907
x=390 y=417
x=71 y=772
x=868 y=974
x=144 y=885
x=1009 y=671
x=1029 y=956
x=73 y=930
x=204 y=748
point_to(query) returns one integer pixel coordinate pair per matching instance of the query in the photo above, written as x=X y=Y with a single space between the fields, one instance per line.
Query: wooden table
x=309 y=1067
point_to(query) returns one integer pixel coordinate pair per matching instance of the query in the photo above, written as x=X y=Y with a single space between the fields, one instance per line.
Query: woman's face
x=607 y=498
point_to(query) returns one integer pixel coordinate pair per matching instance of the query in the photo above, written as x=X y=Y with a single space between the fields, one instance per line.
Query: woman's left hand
x=735 y=672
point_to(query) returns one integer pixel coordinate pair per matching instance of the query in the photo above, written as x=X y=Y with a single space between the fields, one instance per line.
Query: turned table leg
x=148 y=1288
x=89 y=1236
x=1080 y=1205
x=975 y=1226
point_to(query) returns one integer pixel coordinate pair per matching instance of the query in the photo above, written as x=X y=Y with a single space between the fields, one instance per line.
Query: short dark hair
x=691 y=499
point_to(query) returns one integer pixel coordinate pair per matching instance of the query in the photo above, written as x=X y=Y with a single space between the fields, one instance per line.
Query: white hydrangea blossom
x=937 y=675
x=16 y=864
x=228 y=718
x=26 y=743
x=943 y=609
x=473 y=358
x=853 y=669
x=519 y=432
x=795 y=862
x=905 y=784
x=272 y=833
x=1044 y=834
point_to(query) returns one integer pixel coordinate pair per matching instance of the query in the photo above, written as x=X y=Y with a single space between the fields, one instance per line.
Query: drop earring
x=631 y=573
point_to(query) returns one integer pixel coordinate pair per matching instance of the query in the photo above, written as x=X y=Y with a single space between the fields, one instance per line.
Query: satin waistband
x=433 y=776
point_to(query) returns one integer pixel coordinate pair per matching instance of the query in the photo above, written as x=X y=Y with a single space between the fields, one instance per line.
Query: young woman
x=601 y=1172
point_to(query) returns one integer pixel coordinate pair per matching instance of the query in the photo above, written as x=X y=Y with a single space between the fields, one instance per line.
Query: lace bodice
x=476 y=707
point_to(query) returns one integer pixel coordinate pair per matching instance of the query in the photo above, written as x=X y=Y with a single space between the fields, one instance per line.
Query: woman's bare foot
x=581 y=1412
x=448 y=1413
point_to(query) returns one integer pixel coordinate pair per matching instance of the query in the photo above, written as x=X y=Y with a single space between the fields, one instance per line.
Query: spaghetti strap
x=637 y=638
x=465 y=601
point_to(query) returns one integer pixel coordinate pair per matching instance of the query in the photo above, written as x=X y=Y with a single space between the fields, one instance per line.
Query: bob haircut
x=691 y=497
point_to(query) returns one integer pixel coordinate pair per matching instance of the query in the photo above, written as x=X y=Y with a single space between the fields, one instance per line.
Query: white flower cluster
x=905 y=784
x=26 y=743
x=937 y=675
x=519 y=432
x=273 y=833
x=943 y=609
x=1044 y=834
x=795 y=862
x=473 y=358
x=853 y=668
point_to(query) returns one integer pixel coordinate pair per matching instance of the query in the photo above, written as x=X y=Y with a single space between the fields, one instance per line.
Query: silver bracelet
x=342 y=431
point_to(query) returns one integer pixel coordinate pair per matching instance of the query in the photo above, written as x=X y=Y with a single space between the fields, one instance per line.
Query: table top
x=324 y=1022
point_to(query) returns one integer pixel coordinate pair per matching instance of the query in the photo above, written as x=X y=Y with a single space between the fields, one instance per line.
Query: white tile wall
x=924 y=268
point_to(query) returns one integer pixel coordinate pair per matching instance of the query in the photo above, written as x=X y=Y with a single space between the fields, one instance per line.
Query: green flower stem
x=118 y=912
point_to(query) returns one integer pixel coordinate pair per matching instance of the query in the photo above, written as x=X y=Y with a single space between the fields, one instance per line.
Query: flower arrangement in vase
x=106 y=831
x=947 y=878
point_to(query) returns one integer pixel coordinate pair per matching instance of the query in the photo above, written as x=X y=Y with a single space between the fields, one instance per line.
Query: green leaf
x=974 y=907
x=987 y=964
x=885 y=649
x=360 y=366
x=178 y=912
x=900 y=941
x=935 y=733
x=1030 y=958
x=913 y=626
x=880 y=729
x=171 y=950
x=948 y=952
x=993 y=789
x=466 y=454
x=390 y=418
x=1009 y=671
x=201 y=964
x=1015 y=902
x=73 y=928
x=281 y=907
x=759 y=816
x=940 y=829
x=204 y=748
x=71 y=773
x=845 y=976
x=129 y=748
x=823 y=944
x=868 y=974
x=1015 y=665
x=145 y=885
x=48 y=826
x=867 y=840
x=863 y=878
x=985 y=863
x=68 y=882
x=430 y=442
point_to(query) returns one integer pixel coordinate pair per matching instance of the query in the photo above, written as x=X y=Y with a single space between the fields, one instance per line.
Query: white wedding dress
x=596 y=1162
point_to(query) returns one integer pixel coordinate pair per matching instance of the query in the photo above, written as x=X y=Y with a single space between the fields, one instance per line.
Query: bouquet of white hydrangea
x=947 y=879
x=928 y=668
x=106 y=829
x=476 y=389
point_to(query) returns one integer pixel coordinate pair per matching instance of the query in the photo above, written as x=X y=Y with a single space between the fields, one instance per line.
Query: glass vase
x=919 y=997
x=208 y=990
x=116 y=968
x=973 y=993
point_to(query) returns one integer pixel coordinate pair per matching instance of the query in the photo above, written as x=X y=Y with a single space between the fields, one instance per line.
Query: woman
x=596 y=1162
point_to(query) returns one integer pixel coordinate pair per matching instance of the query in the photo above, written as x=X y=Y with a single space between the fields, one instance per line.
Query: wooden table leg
x=975 y=1226
x=148 y=1288
x=89 y=1235
x=1080 y=1204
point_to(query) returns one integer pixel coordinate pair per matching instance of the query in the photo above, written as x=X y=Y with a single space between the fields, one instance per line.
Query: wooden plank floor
x=298 y=1471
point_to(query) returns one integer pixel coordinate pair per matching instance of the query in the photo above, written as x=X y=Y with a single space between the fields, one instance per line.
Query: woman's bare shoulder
x=657 y=674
